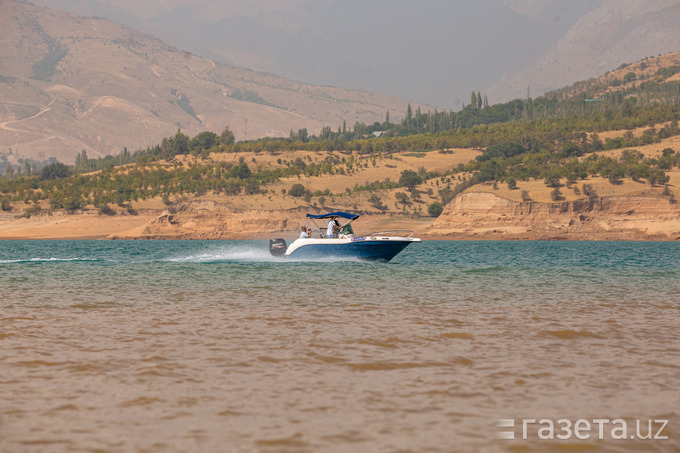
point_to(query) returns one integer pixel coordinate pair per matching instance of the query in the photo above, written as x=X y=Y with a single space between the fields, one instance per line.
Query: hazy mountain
x=431 y=51
x=69 y=83
x=428 y=50
x=619 y=31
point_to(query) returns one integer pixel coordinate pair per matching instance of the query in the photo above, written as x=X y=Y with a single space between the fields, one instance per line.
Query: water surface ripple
x=217 y=346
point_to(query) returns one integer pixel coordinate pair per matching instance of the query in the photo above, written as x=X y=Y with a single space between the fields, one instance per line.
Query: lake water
x=217 y=346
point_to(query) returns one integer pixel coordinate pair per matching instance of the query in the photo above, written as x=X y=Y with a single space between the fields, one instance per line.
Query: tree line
x=541 y=138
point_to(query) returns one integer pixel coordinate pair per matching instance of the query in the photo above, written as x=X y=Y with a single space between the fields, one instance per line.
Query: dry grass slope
x=70 y=83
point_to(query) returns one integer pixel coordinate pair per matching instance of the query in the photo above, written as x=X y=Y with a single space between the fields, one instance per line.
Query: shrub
x=401 y=198
x=657 y=177
x=435 y=209
x=552 y=179
x=54 y=171
x=501 y=150
x=556 y=194
x=571 y=149
x=31 y=211
x=234 y=188
x=252 y=188
x=72 y=204
x=446 y=194
x=376 y=202
x=105 y=209
x=297 y=190
x=629 y=77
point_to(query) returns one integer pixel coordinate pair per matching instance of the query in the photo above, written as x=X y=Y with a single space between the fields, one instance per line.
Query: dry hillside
x=69 y=83
x=630 y=210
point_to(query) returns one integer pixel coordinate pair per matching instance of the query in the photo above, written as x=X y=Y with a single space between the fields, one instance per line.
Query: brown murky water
x=243 y=353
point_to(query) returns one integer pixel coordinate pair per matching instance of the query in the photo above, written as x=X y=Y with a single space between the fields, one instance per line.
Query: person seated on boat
x=333 y=228
x=304 y=234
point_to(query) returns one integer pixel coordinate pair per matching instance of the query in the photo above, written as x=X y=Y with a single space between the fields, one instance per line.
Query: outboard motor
x=277 y=247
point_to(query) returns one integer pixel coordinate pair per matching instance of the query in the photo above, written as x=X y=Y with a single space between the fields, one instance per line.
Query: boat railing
x=394 y=233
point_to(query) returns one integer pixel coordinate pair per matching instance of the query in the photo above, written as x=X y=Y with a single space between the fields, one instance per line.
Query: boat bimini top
x=333 y=215
x=345 y=227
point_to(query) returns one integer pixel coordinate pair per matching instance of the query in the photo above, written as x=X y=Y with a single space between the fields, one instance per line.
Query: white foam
x=246 y=253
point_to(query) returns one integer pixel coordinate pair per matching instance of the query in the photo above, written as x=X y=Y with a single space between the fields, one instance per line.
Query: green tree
x=54 y=171
x=105 y=209
x=657 y=177
x=227 y=137
x=376 y=202
x=179 y=144
x=556 y=194
x=401 y=197
x=409 y=179
x=435 y=209
x=241 y=171
x=297 y=190
x=252 y=187
x=446 y=194
x=552 y=179
x=570 y=149
x=204 y=140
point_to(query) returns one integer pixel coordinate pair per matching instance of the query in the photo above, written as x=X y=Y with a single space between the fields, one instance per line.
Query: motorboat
x=339 y=241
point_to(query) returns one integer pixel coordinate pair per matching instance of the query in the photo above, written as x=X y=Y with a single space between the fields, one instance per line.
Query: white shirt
x=330 y=231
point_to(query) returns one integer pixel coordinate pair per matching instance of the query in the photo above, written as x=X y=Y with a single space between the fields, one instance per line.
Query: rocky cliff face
x=210 y=220
x=487 y=216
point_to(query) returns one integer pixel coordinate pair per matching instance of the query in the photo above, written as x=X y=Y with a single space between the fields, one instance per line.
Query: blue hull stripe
x=367 y=250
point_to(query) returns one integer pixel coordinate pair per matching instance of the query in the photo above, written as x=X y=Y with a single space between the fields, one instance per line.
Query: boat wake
x=244 y=253
x=187 y=253
x=51 y=260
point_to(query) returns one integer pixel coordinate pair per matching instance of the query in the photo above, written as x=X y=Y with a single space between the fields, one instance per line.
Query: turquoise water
x=217 y=346
x=431 y=272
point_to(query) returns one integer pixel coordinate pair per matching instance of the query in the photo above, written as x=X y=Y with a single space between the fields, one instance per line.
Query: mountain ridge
x=70 y=83
x=618 y=31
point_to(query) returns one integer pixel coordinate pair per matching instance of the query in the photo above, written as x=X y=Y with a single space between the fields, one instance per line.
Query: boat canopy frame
x=333 y=215
x=349 y=217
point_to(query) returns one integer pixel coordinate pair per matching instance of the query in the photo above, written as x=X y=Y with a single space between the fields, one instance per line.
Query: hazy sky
x=430 y=51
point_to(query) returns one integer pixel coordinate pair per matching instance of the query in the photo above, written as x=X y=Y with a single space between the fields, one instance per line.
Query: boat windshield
x=347 y=230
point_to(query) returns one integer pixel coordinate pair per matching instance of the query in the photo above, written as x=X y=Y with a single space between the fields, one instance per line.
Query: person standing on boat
x=304 y=234
x=333 y=228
